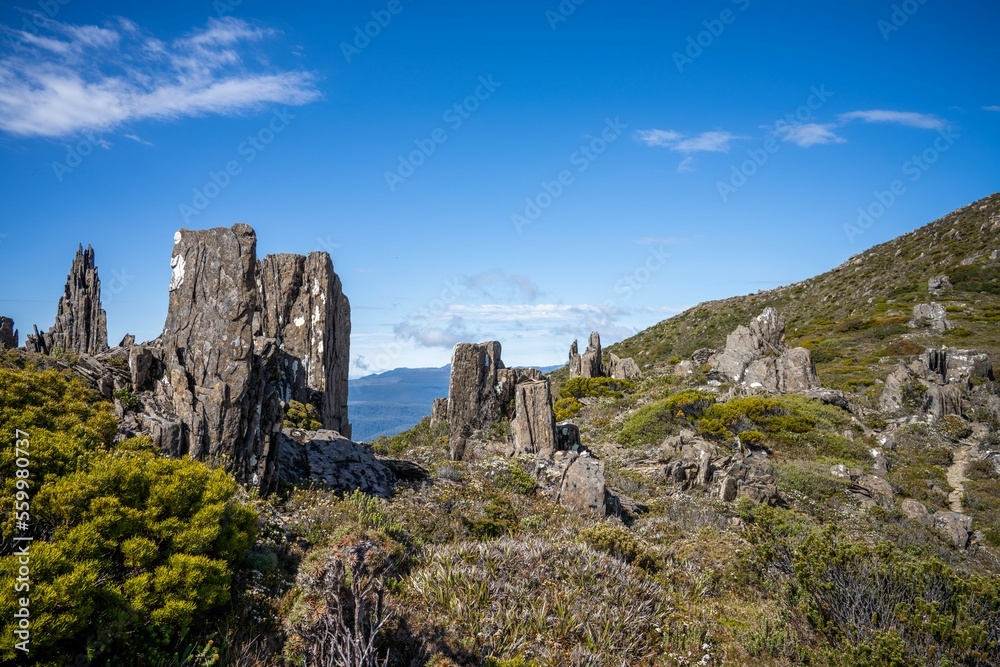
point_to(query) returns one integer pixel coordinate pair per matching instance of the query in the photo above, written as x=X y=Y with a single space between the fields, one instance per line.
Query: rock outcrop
x=933 y=383
x=8 y=334
x=534 y=425
x=587 y=365
x=931 y=316
x=623 y=369
x=439 y=411
x=698 y=463
x=81 y=325
x=756 y=357
x=305 y=311
x=482 y=392
x=242 y=338
x=329 y=460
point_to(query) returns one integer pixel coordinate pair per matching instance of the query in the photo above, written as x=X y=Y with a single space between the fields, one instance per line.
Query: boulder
x=576 y=481
x=702 y=356
x=329 y=460
x=8 y=334
x=956 y=527
x=534 y=425
x=623 y=369
x=304 y=310
x=931 y=316
x=916 y=510
x=81 y=324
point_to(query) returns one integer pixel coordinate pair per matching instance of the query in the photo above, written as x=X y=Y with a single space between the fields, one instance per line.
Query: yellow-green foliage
x=620 y=543
x=324 y=518
x=302 y=415
x=652 y=423
x=567 y=408
x=131 y=550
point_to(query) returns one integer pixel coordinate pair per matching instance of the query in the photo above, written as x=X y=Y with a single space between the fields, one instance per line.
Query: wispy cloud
x=995 y=107
x=662 y=138
x=497 y=285
x=808 y=134
x=77 y=78
x=686 y=165
x=715 y=141
x=909 y=118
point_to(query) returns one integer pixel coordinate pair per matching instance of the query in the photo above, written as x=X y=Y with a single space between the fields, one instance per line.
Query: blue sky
x=520 y=171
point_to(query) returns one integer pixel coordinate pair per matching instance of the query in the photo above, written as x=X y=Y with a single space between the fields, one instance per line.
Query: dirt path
x=956 y=476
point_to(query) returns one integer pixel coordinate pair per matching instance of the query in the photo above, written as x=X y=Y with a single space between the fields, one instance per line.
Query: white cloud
x=78 y=78
x=909 y=118
x=662 y=138
x=808 y=134
x=685 y=165
x=495 y=284
x=714 y=142
x=995 y=107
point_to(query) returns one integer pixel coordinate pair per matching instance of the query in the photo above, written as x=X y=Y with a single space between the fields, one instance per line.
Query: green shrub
x=302 y=415
x=651 y=423
x=128 y=400
x=567 y=408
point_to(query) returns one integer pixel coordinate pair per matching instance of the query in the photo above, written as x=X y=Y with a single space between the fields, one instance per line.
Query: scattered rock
x=702 y=356
x=81 y=325
x=8 y=334
x=331 y=461
x=931 y=316
x=684 y=368
x=933 y=383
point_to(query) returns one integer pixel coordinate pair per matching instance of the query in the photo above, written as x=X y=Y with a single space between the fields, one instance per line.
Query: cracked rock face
x=242 y=337
x=534 y=424
x=932 y=384
x=305 y=312
x=81 y=325
x=588 y=364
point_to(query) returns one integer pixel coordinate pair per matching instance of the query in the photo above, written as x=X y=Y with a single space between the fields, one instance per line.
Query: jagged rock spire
x=81 y=324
